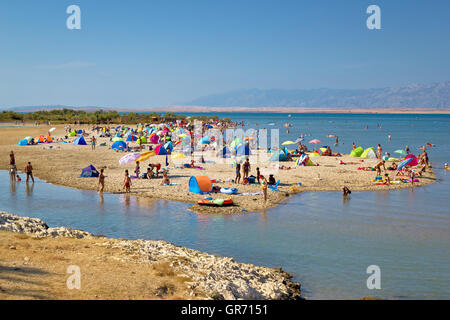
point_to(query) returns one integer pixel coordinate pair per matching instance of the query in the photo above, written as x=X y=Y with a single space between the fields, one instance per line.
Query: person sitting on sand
x=101 y=181
x=412 y=175
x=264 y=184
x=387 y=180
x=393 y=167
x=19 y=178
x=272 y=181
x=165 y=180
x=327 y=152
x=127 y=182
x=378 y=167
x=157 y=167
x=150 y=171
x=345 y=191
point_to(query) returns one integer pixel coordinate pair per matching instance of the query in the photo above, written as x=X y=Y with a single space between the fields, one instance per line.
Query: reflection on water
x=324 y=239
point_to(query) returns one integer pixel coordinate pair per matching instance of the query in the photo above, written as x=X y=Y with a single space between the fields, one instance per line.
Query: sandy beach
x=62 y=164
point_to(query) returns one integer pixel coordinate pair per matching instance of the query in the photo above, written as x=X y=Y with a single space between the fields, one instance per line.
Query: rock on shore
x=217 y=277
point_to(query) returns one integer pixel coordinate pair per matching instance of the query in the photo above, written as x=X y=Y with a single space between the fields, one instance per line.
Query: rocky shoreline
x=216 y=277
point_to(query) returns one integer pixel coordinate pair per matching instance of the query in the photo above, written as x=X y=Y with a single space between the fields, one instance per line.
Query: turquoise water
x=327 y=243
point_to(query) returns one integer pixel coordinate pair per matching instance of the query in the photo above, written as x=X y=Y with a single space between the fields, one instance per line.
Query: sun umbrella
x=401 y=152
x=299 y=140
x=117 y=139
x=315 y=141
x=52 y=129
x=146 y=155
x=178 y=156
x=404 y=163
x=129 y=158
x=287 y=143
x=183 y=135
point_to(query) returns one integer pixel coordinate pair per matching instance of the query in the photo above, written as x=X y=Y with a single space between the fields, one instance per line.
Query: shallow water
x=326 y=242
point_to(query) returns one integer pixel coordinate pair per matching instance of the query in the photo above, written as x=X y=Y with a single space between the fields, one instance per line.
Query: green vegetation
x=96 y=117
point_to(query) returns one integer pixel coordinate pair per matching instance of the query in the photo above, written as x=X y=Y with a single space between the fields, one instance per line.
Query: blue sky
x=154 y=53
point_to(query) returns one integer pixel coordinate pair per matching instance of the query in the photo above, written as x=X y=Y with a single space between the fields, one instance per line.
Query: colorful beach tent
x=72 y=134
x=89 y=172
x=160 y=150
x=243 y=150
x=200 y=184
x=278 y=156
x=369 y=153
x=304 y=160
x=154 y=138
x=414 y=161
x=356 y=152
x=23 y=142
x=143 y=139
x=205 y=140
x=79 y=141
x=119 y=145
x=131 y=138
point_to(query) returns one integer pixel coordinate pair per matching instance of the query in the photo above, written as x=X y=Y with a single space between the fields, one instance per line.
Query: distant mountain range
x=415 y=96
x=436 y=95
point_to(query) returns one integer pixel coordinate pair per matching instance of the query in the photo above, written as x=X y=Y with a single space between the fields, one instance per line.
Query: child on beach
x=345 y=191
x=93 y=143
x=101 y=181
x=271 y=180
x=238 y=173
x=165 y=180
x=263 y=186
x=387 y=180
x=19 y=178
x=127 y=182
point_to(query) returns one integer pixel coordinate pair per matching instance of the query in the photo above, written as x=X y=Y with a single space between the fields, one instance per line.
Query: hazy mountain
x=436 y=95
x=52 y=107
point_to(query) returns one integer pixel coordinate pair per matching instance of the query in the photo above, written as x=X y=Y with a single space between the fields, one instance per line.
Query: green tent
x=72 y=134
x=356 y=152
x=143 y=139
x=369 y=153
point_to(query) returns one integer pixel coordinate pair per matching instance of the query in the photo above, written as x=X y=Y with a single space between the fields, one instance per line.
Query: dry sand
x=62 y=165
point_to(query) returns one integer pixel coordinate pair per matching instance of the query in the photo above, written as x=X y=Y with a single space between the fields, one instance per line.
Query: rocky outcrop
x=216 y=277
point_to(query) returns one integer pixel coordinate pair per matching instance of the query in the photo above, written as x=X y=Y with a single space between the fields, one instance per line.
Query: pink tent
x=414 y=160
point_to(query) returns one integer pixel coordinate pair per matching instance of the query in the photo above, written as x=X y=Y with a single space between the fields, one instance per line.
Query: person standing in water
x=379 y=151
x=263 y=186
x=127 y=182
x=101 y=181
x=407 y=149
x=29 y=172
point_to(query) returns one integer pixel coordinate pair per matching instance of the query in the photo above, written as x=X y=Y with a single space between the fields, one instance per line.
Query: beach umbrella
x=404 y=163
x=52 y=129
x=183 y=135
x=129 y=158
x=178 y=156
x=145 y=156
x=117 y=139
x=299 y=140
x=315 y=141
x=287 y=143
x=403 y=152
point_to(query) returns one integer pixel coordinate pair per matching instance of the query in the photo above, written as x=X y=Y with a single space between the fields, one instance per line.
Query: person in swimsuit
x=378 y=167
x=407 y=149
x=12 y=159
x=246 y=168
x=127 y=182
x=137 y=170
x=258 y=173
x=379 y=151
x=101 y=181
x=345 y=191
x=263 y=186
x=238 y=173
x=165 y=180
x=354 y=146
x=93 y=143
x=29 y=171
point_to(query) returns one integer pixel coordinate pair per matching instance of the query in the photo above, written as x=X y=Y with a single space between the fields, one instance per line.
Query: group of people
x=14 y=172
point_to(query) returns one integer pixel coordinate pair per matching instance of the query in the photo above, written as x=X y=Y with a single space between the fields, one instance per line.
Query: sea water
x=325 y=241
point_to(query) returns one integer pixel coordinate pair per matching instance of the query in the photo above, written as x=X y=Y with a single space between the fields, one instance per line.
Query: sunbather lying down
x=282 y=167
x=366 y=168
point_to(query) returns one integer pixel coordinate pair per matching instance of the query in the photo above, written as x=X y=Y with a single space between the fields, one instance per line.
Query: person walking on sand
x=238 y=173
x=29 y=172
x=127 y=182
x=263 y=186
x=101 y=181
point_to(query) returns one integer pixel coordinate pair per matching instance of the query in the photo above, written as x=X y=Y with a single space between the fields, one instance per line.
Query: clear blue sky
x=153 y=53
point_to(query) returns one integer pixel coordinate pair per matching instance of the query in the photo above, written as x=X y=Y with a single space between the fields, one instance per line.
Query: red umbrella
x=316 y=141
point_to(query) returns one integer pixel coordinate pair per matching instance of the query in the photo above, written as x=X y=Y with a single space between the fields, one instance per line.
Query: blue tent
x=131 y=138
x=243 y=150
x=89 y=172
x=200 y=185
x=80 y=132
x=80 y=141
x=23 y=142
x=278 y=156
x=119 y=145
x=225 y=153
x=169 y=146
x=205 y=139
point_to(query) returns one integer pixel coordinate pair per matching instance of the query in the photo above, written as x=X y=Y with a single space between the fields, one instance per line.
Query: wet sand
x=62 y=165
